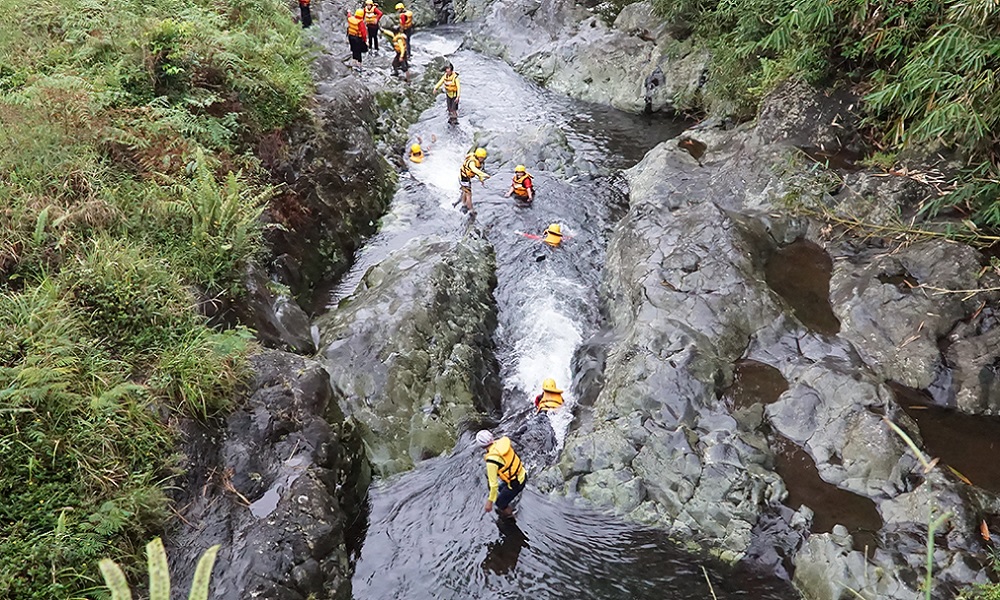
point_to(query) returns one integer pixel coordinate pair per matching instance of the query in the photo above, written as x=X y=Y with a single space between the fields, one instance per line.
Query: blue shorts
x=507 y=494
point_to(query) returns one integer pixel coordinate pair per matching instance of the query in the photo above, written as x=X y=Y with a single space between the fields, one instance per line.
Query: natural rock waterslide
x=670 y=429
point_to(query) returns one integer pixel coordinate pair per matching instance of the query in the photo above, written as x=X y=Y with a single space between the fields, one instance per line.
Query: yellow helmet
x=555 y=228
x=549 y=385
x=359 y=13
x=480 y=152
x=520 y=169
x=400 y=6
x=415 y=149
x=367 y=2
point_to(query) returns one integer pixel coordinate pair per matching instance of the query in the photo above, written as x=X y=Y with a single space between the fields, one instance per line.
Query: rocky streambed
x=732 y=369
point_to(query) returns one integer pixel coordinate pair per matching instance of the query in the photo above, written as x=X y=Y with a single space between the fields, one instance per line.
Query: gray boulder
x=412 y=349
x=279 y=487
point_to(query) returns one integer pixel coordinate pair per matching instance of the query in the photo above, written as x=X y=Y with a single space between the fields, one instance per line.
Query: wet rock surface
x=279 y=485
x=633 y=65
x=412 y=349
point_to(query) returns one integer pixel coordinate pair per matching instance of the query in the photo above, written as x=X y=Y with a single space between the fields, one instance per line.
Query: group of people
x=363 y=27
x=505 y=470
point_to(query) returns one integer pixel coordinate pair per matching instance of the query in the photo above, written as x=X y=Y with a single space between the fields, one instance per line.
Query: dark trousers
x=307 y=19
x=409 y=42
x=508 y=491
x=372 y=36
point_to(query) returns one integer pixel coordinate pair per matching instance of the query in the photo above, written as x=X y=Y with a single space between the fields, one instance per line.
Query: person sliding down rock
x=472 y=167
x=504 y=471
x=452 y=91
x=521 y=185
x=550 y=398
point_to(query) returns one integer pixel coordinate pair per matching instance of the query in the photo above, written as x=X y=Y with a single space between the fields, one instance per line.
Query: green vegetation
x=926 y=69
x=159 y=574
x=129 y=193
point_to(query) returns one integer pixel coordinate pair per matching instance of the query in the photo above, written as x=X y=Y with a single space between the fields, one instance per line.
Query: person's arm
x=491 y=474
x=531 y=191
x=378 y=14
x=479 y=173
x=386 y=33
x=458 y=87
x=438 y=84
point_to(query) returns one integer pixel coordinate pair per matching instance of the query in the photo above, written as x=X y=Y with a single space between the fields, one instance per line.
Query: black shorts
x=452 y=103
x=465 y=183
x=358 y=47
x=400 y=63
x=509 y=491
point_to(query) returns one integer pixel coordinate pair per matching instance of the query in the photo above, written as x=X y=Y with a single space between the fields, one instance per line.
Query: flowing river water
x=427 y=536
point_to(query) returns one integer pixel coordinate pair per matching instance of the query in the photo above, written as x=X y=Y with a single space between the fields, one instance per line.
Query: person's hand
x=507 y=195
x=489 y=506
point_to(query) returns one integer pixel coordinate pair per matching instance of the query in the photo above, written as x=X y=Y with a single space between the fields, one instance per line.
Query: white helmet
x=484 y=438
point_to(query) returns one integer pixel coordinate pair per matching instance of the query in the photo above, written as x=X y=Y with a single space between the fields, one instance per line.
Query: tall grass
x=128 y=189
x=927 y=70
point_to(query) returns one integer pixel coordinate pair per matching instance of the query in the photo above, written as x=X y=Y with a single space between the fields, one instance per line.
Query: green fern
x=159 y=574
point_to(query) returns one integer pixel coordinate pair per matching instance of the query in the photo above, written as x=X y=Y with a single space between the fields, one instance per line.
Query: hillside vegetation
x=129 y=194
x=927 y=70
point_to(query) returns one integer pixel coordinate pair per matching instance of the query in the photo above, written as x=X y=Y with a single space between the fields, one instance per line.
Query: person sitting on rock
x=521 y=185
x=553 y=235
x=550 y=398
x=504 y=471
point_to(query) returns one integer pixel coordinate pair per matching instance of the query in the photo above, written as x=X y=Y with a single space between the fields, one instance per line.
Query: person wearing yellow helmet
x=357 y=36
x=417 y=154
x=452 y=90
x=405 y=25
x=550 y=398
x=553 y=235
x=521 y=186
x=399 y=62
x=372 y=15
x=472 y=167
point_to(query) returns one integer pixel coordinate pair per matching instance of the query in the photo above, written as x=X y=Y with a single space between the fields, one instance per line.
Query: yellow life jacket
x=399 y=44
x=552 y=238
x=417 y=157
x=354 y=26
x=549 y=401
x=371 y=17
x=405 y=20
x=451 y=85
x=518 y=182
x=509 y=466
x=470 y=161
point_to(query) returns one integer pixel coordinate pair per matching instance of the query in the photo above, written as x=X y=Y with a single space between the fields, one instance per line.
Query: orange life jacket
x=470 y=161
x=548 y=401
x=405 y=20
x=518 y=182
x=451 y=84
x=502 y=454
x=354 y=26
x=552 y=238
x=371 y=16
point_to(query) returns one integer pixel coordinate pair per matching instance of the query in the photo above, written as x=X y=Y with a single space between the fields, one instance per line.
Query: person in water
x=472 y=166
x=550 y=398
x=553 y=235
x=504 y=471
x=521 y=185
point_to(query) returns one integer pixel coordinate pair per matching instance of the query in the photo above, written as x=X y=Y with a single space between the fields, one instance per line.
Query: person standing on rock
x=472 y=167
x=406 y=26
x=550 y=398
x=399 y=62
x=452 y=90
x=306 y=19
x=504 y=471
x=357 y=36
x=372 y=16
x=521 y=185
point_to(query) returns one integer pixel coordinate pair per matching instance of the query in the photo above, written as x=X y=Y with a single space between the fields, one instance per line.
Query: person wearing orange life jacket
x=306 y=15
x=405 y=26
x=452 y=90
x=504 y=471
x=399 y=62
x=553 y=235
x=472 y=167
x=521 y=185
x=550 y=398
x=372 y=16
x=357 y=35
